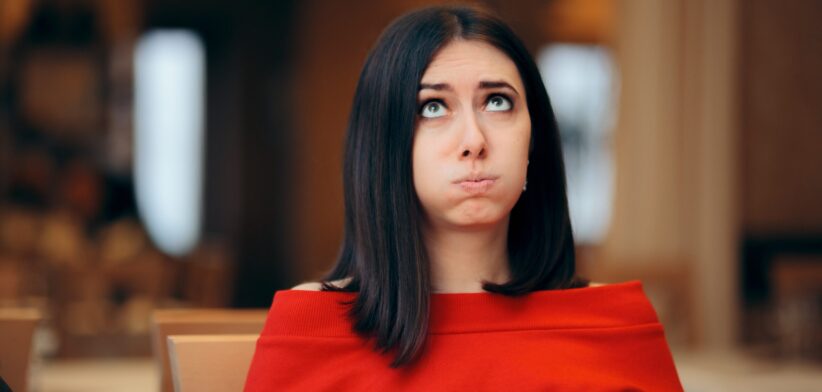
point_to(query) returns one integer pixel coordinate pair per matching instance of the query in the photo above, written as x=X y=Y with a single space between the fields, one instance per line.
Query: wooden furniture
x=210 y=362
x=102 y=374
x=17 y=327
x=198 y=322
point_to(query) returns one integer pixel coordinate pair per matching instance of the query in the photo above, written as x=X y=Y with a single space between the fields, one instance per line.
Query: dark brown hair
x=383 y=251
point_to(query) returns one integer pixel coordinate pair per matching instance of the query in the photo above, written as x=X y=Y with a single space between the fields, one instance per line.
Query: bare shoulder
x=308 y=286
x=317 y=286
x=595 y=284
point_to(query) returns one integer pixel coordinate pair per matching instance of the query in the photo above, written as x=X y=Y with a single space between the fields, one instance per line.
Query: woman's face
x=472 y=136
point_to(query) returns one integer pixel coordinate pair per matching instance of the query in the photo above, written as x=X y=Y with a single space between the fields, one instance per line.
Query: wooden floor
x=719 y=372
x=699 y=372
x=98 y=375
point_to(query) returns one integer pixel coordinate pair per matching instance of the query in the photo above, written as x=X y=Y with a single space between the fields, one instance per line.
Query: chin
x=478 y=217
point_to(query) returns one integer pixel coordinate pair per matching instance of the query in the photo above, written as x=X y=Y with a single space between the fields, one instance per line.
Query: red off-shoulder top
x=601 y=338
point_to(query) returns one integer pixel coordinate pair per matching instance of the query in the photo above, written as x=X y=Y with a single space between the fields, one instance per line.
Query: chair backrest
x=198 y=322
x=17 y=327
x=205 y=363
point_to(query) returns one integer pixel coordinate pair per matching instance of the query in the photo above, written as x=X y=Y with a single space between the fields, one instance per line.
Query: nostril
x=465 y=153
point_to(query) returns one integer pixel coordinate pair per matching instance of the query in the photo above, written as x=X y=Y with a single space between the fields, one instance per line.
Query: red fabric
x=603 y=338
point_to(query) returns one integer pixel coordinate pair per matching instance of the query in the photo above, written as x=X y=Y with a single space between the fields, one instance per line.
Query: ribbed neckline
x=323 y=314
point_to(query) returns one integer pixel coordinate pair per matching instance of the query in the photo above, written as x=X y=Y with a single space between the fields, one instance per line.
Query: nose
x=474 y=144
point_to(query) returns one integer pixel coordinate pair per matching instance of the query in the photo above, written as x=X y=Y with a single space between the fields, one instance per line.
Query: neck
x=461 y=259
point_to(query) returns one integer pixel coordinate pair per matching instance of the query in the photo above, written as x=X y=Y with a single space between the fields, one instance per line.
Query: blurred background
x=174 y=154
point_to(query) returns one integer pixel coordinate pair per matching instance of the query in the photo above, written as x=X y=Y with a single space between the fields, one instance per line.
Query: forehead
x=469 y=60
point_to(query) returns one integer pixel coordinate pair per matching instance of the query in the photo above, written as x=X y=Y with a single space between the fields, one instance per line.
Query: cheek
x=523 y=131
x=513 y=144
x=432 y=170
x=524 y=139
x=513 y=160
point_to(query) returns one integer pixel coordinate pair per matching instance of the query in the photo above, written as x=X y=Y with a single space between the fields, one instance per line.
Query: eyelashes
x=494 y=102
x=498 y=103
x=432 y=108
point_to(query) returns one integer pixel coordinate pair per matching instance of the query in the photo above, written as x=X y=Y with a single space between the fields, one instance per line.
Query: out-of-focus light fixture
x=169 y=69
x=581 y=83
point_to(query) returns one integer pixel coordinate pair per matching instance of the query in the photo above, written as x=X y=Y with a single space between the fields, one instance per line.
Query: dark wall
x=781 y=117
x=248 y=168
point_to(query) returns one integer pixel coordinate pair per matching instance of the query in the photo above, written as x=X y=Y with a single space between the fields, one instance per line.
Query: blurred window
x=169 y=68
x=581 y=83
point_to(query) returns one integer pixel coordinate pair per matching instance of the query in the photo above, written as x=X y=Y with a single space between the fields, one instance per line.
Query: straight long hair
x=383 y=252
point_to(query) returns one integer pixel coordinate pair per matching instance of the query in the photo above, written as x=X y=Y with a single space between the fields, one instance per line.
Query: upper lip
x=476 y=177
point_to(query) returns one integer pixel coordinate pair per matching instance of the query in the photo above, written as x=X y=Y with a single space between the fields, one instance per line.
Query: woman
x=457 y=268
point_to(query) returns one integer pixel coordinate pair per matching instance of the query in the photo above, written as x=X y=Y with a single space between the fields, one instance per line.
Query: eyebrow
x=484 y=84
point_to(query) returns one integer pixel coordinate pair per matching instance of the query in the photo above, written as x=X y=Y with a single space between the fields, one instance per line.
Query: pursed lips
x=476 y=183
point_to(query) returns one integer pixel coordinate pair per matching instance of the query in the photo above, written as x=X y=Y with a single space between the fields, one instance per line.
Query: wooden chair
x=210 y=362
x=198 y=322
x=16 y=337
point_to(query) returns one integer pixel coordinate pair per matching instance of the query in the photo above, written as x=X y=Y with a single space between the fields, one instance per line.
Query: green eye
x=498 y=103
x=432 y=109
